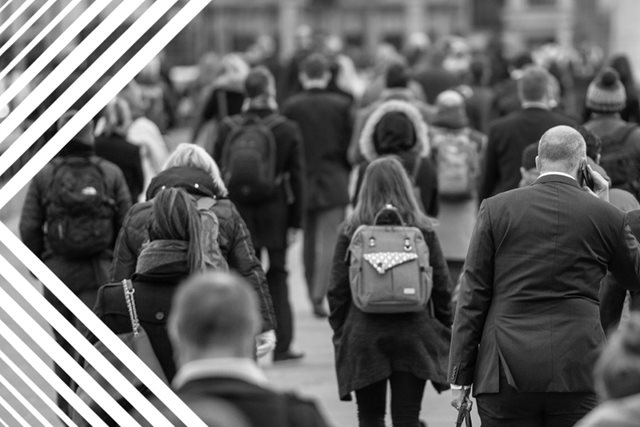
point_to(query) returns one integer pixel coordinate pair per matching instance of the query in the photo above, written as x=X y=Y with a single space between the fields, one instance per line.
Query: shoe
x=287 y=355
x=319 y=311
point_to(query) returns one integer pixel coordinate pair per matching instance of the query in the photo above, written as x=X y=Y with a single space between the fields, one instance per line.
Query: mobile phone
x=584 y=176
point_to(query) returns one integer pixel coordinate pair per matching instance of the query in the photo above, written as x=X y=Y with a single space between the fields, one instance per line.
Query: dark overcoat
x=368 y=347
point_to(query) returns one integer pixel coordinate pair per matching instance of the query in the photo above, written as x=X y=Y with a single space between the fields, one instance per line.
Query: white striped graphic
x=83 y=83
x=62 y=71
x=28 y=24
x=71 y=334
x=45 y=371
x=5 y=5
x=28 y=75
x=24 y=402
x=19 y=11
x=16 y=416
x=35 y=389
x=38 y=38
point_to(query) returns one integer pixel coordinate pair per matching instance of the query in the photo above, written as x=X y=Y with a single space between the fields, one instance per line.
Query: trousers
x=320 y=237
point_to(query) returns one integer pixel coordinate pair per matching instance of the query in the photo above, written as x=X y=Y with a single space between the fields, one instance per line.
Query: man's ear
x=598 y=157
x=523 y=172
x=538 y=163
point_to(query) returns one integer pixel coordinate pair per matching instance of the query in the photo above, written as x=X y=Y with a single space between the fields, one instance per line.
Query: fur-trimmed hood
x=367 y=144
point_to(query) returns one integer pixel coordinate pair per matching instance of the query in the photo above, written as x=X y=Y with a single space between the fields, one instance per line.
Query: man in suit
x=271 y=221
x=527 y=330
x=212 y=326
x=508 y=136
x=324 y=118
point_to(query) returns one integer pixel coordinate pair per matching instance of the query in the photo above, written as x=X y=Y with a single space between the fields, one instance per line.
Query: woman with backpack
x=374 y=347
x=397 y=128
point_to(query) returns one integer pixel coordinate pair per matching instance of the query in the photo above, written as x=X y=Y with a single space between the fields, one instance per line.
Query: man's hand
x=265 y=343
x=600 y=185
x=459 y=395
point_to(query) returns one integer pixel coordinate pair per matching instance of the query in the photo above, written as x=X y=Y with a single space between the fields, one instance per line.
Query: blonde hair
x=194 y=156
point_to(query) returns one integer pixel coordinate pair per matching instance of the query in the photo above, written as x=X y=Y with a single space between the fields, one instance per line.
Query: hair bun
x=609 y=78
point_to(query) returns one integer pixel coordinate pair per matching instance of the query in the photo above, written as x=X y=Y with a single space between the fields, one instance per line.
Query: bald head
x=561 y=149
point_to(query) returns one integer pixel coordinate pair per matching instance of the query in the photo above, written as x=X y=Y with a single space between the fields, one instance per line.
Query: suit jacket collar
x=557 y=178
x=244 y=370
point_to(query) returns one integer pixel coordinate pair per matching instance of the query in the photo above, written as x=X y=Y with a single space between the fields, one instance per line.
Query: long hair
x=176 y=217
x=386 y=182
x=194 y=156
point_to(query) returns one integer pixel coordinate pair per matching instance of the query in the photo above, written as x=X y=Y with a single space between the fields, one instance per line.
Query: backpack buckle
x=407 y=245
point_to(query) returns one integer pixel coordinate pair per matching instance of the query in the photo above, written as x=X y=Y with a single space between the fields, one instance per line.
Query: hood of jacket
x=194 y=180
x=367 y=142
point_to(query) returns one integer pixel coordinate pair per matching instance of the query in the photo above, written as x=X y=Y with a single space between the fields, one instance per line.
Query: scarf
x=161 y=252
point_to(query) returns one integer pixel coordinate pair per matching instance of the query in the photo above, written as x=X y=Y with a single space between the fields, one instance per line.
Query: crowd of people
x=499 y=200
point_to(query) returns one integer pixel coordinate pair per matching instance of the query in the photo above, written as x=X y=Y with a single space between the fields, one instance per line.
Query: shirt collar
x=557 y=173
x=535 y=104
x=242 y=369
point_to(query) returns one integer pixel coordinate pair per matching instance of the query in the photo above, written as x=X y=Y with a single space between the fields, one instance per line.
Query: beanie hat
x=86 y=134
x=393 y=133
x=606 y=94
x=450 y=110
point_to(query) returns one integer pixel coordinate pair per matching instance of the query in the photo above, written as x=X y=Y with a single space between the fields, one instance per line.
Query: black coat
x=126 y=156
x=368 y=347
x=269 y=221
x=324 y=119
x=528 y=302
x=233 y=238
x=507 y=139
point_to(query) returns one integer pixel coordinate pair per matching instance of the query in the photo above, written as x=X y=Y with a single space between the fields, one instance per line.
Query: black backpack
x=618 y=162
x=249 y=158
x=80 y=213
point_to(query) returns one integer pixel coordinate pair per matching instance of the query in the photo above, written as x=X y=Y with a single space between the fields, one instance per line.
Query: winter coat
x=426 y=179
x=78 y=274
x=368 y=347
x=154 y=288
x=269 y=221
x=324 y=119
x=233 y=238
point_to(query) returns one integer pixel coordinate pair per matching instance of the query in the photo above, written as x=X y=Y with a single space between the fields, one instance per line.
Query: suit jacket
x=528 y=302
x=324 y=119
x=507 y=139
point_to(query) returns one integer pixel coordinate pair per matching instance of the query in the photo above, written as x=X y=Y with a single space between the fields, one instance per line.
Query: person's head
x=617 y=372
x=561 y=149
x=528 y=169
x=593 y=142
x=232 y=72
x=315 y=72
x=85 y=135
x=397 y=76
x=450 y=110
x=175 y=217
x=606 y=94
x=194 y=156
x=132 y=93
x=260 y=83
x=214 y=314
x=385 y=182
x=622 y=65
x=533 y=85
x=115 y=119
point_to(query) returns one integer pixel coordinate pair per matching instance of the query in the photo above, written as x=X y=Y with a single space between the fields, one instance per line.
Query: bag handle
x=388 y=208
x=128 y=289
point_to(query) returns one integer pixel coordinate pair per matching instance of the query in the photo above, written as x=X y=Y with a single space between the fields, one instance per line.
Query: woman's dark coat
x=234 y=238
x=368 y=347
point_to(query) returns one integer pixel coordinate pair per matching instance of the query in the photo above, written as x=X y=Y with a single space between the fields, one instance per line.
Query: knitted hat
x=86 y=134
x=606 y=94
x=394 y=132
x=451 y=112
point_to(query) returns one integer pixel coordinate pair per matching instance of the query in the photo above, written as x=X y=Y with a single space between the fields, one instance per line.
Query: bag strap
x=388 y=208
x=128 y=289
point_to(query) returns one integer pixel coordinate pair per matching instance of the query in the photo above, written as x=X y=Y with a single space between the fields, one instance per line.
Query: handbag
x=138 y=341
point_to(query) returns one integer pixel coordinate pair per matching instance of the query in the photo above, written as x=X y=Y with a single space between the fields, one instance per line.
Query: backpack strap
x=221 y=100
x=273 y=120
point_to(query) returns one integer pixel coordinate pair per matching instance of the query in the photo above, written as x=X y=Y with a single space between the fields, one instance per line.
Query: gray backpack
x=389 y=269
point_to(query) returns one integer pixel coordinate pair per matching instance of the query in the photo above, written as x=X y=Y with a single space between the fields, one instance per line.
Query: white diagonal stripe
x=19 y=11
x=4 y=6
x=52 y=51
x=73 y=337
x=62 y=358
x=81 y=84
x=24 y=402
x=16 y=416
x=16 y=35
x=36 y=390
x=19 y=56
x=62 y=71
x=45 y=371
